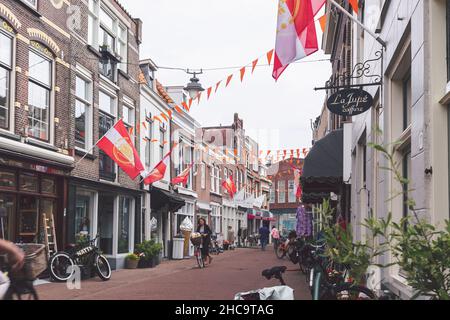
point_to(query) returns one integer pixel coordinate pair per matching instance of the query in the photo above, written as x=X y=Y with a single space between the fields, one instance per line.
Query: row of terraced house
x=69 y=70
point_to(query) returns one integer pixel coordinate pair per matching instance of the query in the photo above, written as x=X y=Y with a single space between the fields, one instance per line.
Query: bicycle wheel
x=61 y=267
x=198 y=256
x=21 y=291
x=102 y=268
x=349 y=291
x=280 y=252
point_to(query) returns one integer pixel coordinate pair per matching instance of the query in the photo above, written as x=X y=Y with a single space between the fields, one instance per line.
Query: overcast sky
x=217 y=33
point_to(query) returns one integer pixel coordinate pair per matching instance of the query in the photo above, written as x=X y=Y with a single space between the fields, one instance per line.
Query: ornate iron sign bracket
x=361 y=70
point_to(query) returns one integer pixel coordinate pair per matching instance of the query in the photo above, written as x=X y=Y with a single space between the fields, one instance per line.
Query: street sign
x=350 y=102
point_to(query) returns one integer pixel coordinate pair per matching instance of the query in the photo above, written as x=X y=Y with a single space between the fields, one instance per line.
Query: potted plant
x=131 y=261
x=157 y=249
x=145 y=251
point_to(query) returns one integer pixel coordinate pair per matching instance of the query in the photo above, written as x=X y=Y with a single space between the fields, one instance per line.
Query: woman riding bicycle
x=206 y=232
x=16 y=257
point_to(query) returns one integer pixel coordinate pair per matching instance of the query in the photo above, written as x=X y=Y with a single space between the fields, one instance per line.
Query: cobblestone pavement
x=230 y=273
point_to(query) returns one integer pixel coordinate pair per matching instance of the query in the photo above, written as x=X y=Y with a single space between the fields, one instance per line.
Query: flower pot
x=156 y=260
x=131 y=264
x=145 y=264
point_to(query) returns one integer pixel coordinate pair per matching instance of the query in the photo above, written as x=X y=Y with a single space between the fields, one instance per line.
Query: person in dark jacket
x=206 y=232
x=264 y=234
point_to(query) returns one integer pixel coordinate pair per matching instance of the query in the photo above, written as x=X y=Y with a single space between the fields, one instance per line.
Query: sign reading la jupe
x=350 y=102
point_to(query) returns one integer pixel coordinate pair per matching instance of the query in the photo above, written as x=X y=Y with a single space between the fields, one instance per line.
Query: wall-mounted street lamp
x=194 y=87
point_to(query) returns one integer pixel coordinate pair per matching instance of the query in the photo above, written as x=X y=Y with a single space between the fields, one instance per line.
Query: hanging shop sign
x=350 y=102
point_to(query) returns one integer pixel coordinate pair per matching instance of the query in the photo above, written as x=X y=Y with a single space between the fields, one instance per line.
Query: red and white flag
x=297 y=182
x=296 y=32
x=230 y=186
x=116 y=143
x=183 y=177
x=159 y=171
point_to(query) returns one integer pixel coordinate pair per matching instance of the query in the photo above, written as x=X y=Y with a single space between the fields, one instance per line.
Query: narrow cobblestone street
x=230 y=273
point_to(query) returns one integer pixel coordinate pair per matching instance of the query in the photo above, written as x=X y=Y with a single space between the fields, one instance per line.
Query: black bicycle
x=62 y=265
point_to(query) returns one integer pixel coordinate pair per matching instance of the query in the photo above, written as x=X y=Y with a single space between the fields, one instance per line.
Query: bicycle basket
x=196 y=239
x=35 y=261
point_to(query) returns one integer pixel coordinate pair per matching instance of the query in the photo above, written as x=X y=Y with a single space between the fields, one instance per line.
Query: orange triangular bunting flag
x=254 y=63
x=229 y=80
x=269 y=57
x=242 y=73
x=178 y=109
x=209 y=92
x=323 y=22
x=169 y=113
x=157 y=118
x=190 y=104
x=185 y=106
x=217 y=86
x=145 y=125
x=199 y=97
x=355 y=6
x=164 y=116
x=130 y=131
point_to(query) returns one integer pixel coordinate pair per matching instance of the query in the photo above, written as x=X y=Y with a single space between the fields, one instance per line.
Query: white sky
x=218 y=33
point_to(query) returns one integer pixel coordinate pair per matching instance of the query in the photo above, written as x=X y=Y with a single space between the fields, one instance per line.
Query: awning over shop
x=267 y=216
x=323 y=168
x=204 y=206
x=161 y=198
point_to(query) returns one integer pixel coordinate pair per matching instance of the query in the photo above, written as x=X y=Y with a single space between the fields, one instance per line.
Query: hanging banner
x=350 y=102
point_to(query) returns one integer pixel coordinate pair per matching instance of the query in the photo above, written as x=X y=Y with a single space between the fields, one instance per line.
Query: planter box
x=157 y=260
x=145 y=264
x=131 y=264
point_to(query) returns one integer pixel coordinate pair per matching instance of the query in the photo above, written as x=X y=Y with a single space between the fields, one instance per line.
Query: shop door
x=28 y=219
x=7 y=217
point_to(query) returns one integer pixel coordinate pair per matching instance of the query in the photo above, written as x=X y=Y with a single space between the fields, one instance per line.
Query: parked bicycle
x=328 y=282
x=62 y=265
x=19 y=285
x=197 y=241
x=285 y=245
x=214 y=247
x=281 y=292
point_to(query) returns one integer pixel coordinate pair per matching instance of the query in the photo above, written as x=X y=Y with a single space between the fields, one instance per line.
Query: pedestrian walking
x=275 y=233
x=264 y=234
x=206 y=233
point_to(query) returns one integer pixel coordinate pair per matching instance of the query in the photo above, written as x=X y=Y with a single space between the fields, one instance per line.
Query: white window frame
x=203 y=175
x=130 y=226
x=272 y=195
x=281 y=184
x=129 y=105
x=109 y=92
x=51 y=111
x=12 y=82
x=86 y=76
x=291 y=192
x=122 y=46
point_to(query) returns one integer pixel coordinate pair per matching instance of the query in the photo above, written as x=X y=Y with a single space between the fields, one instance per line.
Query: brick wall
x=46 y=25
x=127 y=85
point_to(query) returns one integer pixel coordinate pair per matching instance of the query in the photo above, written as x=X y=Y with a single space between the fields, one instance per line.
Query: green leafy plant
x=81 y=240
x=148 y=249
x=132 y=257
x=419 y=248
x=342 y=249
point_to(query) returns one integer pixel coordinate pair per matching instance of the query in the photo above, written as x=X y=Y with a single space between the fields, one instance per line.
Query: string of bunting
x=226 y=82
